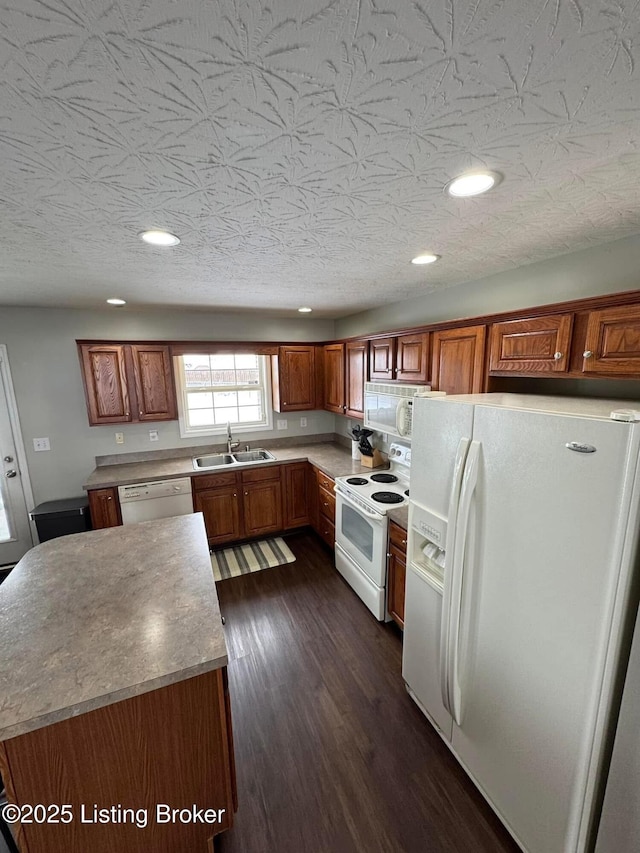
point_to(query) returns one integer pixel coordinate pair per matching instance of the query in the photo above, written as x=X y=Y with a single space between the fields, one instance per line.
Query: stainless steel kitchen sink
x=253 y=456
x=215 y=460
x=218 y=460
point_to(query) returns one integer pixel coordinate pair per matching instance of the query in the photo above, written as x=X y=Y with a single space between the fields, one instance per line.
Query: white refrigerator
x=523 y=535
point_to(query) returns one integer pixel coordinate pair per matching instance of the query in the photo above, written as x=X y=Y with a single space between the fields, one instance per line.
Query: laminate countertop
x=332 y=458
x=94 y=618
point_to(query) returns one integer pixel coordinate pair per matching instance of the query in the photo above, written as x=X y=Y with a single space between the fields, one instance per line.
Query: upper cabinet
x=612 y=342
x=355 y=376
x=294 y=378
x=532 y=345
x=127 y=383
x=334 y=398
x=402 y=358
x=458 y=360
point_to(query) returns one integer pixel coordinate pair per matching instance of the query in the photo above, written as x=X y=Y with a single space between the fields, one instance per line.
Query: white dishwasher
x=158 y=499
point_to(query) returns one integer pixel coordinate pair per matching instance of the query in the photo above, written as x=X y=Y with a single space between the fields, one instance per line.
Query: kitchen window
x=214 y=390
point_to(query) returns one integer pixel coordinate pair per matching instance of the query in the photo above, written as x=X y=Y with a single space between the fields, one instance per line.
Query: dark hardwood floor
x=332 y=754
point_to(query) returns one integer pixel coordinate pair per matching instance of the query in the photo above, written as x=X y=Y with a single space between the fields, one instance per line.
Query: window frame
x=264 y=366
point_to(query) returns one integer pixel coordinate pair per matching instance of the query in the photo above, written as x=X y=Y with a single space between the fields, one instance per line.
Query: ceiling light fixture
x=156 y=237
x=473 y=183
x=305 y=310
x=427 y=258
x=116 y=301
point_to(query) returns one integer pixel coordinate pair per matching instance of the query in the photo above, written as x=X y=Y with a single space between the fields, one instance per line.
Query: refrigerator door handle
x=460 y=569
x=454 y=500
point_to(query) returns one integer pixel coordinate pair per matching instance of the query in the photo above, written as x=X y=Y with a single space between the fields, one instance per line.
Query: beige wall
x=609 y=268
x=47 y=381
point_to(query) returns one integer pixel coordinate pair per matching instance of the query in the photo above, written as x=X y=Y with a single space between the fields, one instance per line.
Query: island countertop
x=94 y=618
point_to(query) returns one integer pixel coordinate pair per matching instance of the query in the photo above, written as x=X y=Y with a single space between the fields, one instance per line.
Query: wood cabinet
x=333 y=361
x=458 y=360
x=296 y=494
x=323 y=520
x=104 y=508
x=127 y=383
x=396 y=572
x=294 y=378
x=404 y=358
x=531 y=345
x=261 y=501
x=355 y=367
x=218 y=498
x=612 y=342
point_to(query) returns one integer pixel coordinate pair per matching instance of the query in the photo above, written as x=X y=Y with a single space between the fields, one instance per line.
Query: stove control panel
x=400 y=454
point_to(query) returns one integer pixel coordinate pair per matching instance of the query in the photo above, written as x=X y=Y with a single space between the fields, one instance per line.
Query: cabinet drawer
x=258 y=475
x=327 y=531
x=398 y=536
x=213 y=481
x=327 y=504
x=325 y=481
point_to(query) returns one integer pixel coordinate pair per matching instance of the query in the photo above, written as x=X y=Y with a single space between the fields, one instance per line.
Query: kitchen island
x=114 y=692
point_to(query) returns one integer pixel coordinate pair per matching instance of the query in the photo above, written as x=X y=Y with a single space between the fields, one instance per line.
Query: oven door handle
x=374 y=516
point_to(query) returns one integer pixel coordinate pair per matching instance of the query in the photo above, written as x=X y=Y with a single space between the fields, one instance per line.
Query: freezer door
x=438 y=427
x=540 y=604
x=421 y=647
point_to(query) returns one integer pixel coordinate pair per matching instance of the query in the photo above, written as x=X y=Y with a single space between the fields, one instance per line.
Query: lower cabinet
x=104 y=508
x=253 y=502
x=324 y=519
x=396 y=572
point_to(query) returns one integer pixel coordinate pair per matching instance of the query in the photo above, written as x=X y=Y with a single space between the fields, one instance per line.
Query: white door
x=539 y=609
x=15 y=530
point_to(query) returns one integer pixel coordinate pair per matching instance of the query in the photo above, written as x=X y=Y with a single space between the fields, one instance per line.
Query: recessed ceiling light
x=159 y=238
x=473 y=183
x=116 y=301
x=427 y=258
x=305 y=310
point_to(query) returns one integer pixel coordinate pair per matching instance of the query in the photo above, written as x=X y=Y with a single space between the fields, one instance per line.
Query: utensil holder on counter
x=374 y=461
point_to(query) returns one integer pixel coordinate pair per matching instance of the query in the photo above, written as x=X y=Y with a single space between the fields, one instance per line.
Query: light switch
x=282 y=424
x=303 y=422
x=41 y=444
x=153 y=435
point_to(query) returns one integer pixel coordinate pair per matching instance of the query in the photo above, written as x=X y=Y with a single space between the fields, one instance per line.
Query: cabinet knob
x=396 y=370
x=109 y=497
x=587 y=353
x=141 y=413
x=557 y=356
x=246 y=493
x=235 y=494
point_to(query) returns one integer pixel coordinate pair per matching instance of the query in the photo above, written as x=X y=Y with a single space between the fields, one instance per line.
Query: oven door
x=362 y=534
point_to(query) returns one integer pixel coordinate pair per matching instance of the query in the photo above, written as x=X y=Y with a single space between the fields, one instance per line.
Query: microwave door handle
x=372 y=515
x=401 y=419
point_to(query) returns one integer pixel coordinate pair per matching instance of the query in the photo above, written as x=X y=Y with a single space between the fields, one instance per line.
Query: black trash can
x=61 y=517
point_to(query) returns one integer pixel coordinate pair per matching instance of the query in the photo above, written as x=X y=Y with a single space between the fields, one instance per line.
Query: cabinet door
x=296 y=504
x=458 y=360
x=355 y=377
x=532 y=345
x=396 y=572
x=262 y=507
x=105 y=383
x=334 y=378
x=412 y=358
x=104 y=508
x=156 y=398
x=382 y=358
x=612 y=344
x=221 y=510
x=294 y=379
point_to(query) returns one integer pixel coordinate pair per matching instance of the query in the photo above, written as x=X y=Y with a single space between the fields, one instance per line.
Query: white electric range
x=362 y=504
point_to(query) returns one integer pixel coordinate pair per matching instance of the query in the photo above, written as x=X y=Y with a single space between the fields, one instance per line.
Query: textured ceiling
x=299 y=147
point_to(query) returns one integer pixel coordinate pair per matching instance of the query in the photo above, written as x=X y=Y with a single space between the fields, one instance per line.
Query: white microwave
x=389 y=408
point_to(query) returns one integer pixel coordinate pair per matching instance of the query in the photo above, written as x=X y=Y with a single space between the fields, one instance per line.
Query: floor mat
x=251 y=557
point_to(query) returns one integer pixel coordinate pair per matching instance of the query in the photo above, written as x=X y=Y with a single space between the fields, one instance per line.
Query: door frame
x=14 y=420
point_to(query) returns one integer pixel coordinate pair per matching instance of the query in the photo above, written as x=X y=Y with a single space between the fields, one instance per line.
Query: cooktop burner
x=387 y=497
x=384 y=478
x=357 y=481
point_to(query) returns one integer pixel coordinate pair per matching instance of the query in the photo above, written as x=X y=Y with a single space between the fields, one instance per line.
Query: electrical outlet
x=303 y=422
x=153 y=435
x=282 y=424
x=41 y=444
x=119 y=438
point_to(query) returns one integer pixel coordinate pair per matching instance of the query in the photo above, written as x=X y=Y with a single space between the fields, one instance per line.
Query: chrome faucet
x=231 y=444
